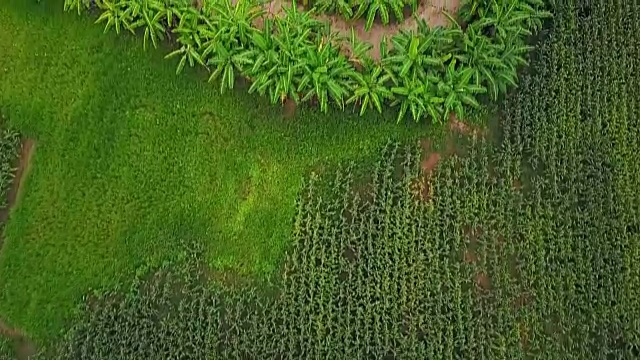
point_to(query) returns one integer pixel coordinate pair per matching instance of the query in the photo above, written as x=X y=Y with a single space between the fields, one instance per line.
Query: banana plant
x=232 y=21
x=274 y=70
x=381 y=8
x=418 y=97
x=502 y=17
x=472 y=10
x=229 y=38
x=78 y=5
x=190 y=31
x=327 y=74
x=537 y=12
x=115 y=14
x=457 y=90
x=371 y=88
x=280 y=51
x=413 y=54
x=511 y=54
x=482 y=56
x=358 y=50
x=150 y=15
x=342 y=7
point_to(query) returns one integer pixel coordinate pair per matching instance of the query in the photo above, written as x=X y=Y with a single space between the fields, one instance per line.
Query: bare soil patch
x=470 y=257
x=422 y=187
x=461 y=127
x=22 y=166
x=430 y=163
x=289 y=109
x=24 y=348
x=483 y=281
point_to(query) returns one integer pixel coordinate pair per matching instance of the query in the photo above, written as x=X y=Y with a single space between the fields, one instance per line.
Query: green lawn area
x=130 y=158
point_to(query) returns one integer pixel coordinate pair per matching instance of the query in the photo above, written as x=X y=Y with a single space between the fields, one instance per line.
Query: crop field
x=131 y=157
x=162 y=218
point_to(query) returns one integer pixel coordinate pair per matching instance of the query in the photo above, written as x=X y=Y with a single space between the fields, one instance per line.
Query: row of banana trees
x=425 y=72
x=370 y=10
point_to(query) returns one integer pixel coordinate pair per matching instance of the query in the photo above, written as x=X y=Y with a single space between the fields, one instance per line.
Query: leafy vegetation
x=131 y=157
x=294 y=56
x=369 y=9
x=524 y=248
x=528 y=248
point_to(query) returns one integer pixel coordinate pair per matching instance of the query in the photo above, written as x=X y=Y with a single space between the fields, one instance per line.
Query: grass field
x=130 y=157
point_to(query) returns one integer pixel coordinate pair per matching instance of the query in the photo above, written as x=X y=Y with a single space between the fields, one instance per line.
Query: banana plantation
x=289 y=54
x=458 y=191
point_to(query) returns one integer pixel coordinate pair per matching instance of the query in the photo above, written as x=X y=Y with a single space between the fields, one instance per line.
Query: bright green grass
x=131 y=157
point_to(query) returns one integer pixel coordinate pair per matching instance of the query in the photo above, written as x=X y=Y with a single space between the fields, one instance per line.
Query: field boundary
x=22 y=166
x=24 y=348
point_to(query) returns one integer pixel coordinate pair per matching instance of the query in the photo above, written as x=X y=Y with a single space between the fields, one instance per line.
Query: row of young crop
x=424 y=72
x=578 y=125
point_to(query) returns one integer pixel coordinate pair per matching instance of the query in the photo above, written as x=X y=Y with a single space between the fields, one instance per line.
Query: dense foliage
x=369 y=9
x=429 y=73
x=528 y=249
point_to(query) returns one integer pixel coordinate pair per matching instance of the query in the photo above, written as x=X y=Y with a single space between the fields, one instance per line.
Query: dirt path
x=24 y=348
x=23 y=162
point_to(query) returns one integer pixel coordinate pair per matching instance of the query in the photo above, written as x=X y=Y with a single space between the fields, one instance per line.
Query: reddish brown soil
x=516 y=184
x=432 y=13
x=457 y=125
x=463 y=128
x=22 y=166
x=483 y=281
x=422 y=186
x=23 y=347
x=429 y=164
x=289 y=109
x=470 y=257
